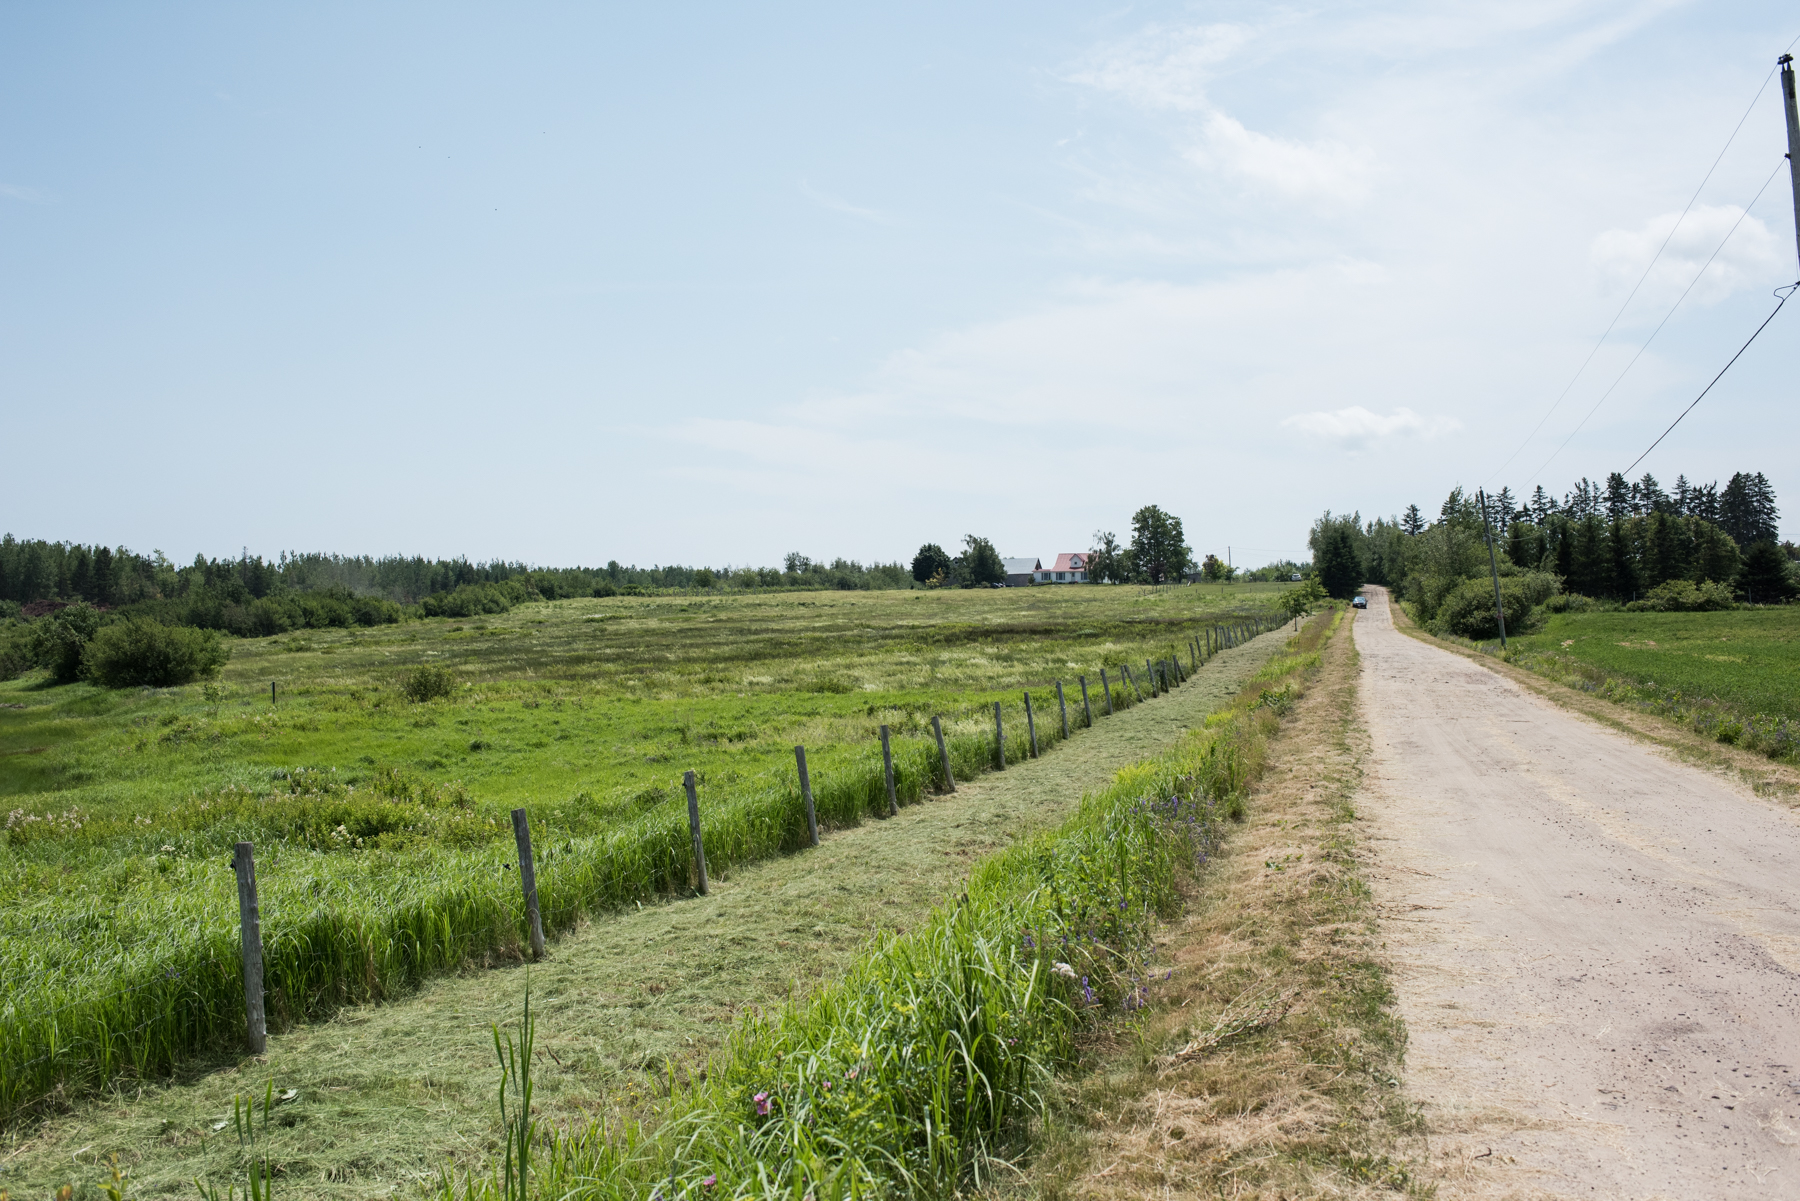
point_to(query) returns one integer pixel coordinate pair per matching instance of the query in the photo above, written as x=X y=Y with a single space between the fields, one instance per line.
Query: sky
x=710 y=284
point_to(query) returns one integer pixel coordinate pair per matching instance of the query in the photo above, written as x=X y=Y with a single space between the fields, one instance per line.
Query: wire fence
x=193 y=1000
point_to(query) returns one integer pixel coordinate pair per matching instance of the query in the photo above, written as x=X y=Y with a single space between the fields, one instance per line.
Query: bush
x=138 y=653
x=427 y=683
x=1570 y=602
x=1685 y=596
x=15 y=649
x=58 y=640
x=1469 y=608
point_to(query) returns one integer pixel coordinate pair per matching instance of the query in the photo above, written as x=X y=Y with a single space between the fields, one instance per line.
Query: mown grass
x=921 y=1070
x=118 y=951
x=1733 y=676
x=1269 y=1064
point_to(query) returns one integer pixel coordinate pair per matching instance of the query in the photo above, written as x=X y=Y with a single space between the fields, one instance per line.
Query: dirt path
x=1597 y=949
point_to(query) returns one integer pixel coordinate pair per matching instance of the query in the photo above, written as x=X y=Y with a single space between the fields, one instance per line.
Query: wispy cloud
x=13 y=191
x=1168 y=69
x=838 y=204
x=1356 y=426
x=1752 y=256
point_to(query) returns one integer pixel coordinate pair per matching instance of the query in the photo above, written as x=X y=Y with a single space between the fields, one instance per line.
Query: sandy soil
x=1597 y=949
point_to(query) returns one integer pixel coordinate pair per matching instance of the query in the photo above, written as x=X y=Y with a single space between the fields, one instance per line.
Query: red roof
x=1072 y=561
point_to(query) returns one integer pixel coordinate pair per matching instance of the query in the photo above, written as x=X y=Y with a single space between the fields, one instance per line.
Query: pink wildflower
x=763 y=1105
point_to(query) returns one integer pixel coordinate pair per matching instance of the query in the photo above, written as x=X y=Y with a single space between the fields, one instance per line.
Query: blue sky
x=710 y=284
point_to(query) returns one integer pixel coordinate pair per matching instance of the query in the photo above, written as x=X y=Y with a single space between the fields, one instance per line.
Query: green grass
x=1733 y=675
x=383 y=843
x=919 y=1072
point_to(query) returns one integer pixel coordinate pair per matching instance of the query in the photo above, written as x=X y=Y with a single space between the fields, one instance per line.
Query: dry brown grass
x=1280 y=999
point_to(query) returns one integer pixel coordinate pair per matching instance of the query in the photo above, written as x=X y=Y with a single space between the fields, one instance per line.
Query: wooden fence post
x=1062 y=707
x=1132 y=680
x=256 y=1028
x=687 y=782
x=1107 y=689
x=1193 y=655
x=937 y=727
x=999 y=741
x=887 y=767
x=812 y=818
x=1086 y=709
x=528 y=880
x=1150 y=678
x=271 y=693
x=1030 y=726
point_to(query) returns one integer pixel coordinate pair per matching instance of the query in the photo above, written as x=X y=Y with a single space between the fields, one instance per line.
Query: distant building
x=1022 y=572
x=1069 y=568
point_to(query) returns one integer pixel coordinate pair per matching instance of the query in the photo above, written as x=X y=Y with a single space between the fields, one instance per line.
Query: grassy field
x=388 y=1095
x=383 y=842
x=1733 y=675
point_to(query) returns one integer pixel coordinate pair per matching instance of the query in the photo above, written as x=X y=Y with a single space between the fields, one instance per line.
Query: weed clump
x=427 y=683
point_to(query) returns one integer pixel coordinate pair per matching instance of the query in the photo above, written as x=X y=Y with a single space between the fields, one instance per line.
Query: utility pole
x=1493 y=566
x=1793 y=127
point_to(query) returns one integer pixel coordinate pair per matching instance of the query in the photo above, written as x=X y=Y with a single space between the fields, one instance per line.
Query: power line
x=1640 y=283
x=1698 y=276
x=1784 y=293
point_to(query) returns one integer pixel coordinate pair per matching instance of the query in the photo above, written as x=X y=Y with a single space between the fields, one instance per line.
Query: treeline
x=1622 y=543
x=251 y=594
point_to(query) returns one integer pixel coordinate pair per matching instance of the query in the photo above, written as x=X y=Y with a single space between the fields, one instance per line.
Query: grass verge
x=1269 y=1064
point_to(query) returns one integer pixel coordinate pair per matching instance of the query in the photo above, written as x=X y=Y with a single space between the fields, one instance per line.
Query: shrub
x=1684 y=596
x=427 y=683
x=135 y=653
x=1469 y=608
x=15 y=649
x=58 y=640
x=605 y=588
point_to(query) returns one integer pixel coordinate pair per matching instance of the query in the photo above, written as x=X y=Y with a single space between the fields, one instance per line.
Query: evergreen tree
x=1592 y=573
x=1618 y=497
x=1703 y=502
x=1335 y=560
x=1413 y=522
x=1542 y=505
x=1503 y=509
x=1764 y=577
x=1715 y=556
x=1524 y=544
x=1650 y=496
x=1682 y=495
x=1665 y=551
x=1625 y=582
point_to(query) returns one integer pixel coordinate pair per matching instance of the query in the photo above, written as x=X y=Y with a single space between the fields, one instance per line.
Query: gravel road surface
x=1597 y=948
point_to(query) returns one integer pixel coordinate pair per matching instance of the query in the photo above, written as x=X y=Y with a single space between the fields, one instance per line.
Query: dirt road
x=1597 y=948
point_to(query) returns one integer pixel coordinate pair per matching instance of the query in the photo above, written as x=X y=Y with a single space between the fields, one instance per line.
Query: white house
x=1069 y=568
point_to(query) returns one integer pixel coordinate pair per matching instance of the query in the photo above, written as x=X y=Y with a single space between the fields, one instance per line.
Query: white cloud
x=1356 y=426
x=1168 y=69
x=1165 y=68
x=839 y=205
x=18 y=192
x=1752 y=256
x=1294 y=169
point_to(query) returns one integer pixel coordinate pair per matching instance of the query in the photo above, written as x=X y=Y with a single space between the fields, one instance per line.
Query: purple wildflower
x=763 y=1105
x=709 y=1181
x=1086 y=991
